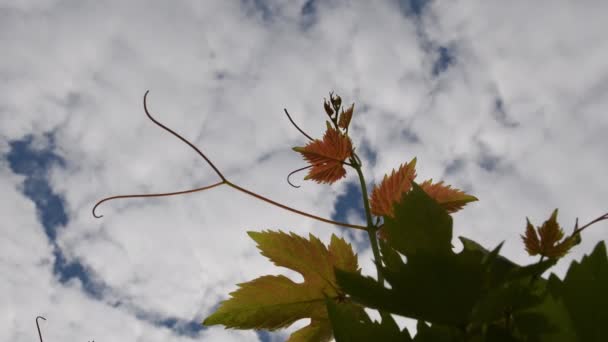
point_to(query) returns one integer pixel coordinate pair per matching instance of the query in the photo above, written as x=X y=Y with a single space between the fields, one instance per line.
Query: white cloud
x=221 y=77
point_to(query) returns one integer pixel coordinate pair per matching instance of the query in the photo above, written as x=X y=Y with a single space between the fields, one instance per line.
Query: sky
x=507 y=101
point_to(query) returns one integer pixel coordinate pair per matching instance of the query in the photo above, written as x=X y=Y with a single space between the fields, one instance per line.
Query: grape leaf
x=327 y=156
x=348 y=327
x=449 y=198
x=273 y=302
x=392 y=187
x=435 y=285
x=345 y=117
x=420 y=224
x=584 y=297
x=437 y=333
x=546 y=243
x=431 y=287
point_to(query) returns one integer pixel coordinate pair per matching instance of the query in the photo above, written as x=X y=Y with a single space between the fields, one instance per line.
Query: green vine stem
x=371 y=228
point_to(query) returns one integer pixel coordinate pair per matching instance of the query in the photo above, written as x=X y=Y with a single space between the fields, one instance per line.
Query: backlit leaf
x=345 y=117
x=531 y=241
x=449 y=198
x=327 y=156
x=583 y=295
x=436 y=288
x=419 y=224
x=547 y=243
x=273 y=302
x=392 y=187
x=348 y=326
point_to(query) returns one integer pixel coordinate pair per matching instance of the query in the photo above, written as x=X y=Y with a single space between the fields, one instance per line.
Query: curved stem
x=181 y=138
x=156 y=195
x=38 y=326
x=267 y=200
x=371 y=228
x=237 y=188
x=296 y=126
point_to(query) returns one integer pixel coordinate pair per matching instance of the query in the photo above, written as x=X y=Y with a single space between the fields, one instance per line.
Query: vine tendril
x=223 y=179
x=296 y=171
x=156 y=195
x=296 y=126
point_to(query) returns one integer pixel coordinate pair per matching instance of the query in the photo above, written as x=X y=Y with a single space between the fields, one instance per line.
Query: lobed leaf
x=449 y=198
x=345 y=117
x=547 y=243
x=420 y=224
x=391 y=189
x=353 y=326
x=327 y=156
x=273 y=302
x=584 y=297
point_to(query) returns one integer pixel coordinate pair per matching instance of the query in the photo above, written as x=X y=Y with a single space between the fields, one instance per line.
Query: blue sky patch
x=309 y=14
x=27 y=159
x=413 y=8
x=444 y=60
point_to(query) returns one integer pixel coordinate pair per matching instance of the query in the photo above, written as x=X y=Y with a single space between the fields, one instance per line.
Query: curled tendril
x=155 y=195
x=295 y=171
x=223 y=179
x=296 y=126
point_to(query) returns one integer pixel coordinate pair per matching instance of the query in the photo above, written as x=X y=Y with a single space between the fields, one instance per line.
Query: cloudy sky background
x=506 y=101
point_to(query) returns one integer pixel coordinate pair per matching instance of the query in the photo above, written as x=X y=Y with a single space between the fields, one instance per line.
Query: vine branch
x=181 y=138
x=223 y=180
x=251 y=193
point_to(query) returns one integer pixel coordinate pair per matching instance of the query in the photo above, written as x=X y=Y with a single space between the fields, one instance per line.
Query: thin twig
x=296 y=126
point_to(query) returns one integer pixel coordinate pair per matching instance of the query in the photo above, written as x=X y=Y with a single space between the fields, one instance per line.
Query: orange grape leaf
x=531 y=241
x=449 y=198
x=345 y=117
x=546 y=243
x=392 y=187
x=326 y=156
x=273 y=302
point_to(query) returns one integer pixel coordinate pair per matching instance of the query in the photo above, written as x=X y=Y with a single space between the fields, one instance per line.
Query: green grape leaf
x=548 y=321
x=533 y=270
x=348 y=326
x=437 y=333
x=499 y=334
x=574 y=309
x=513 y=296
x=434 y=288
x=584 y=293
x=420 y=225
x=391 y=259
x=506 y=284
x=273 y=302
